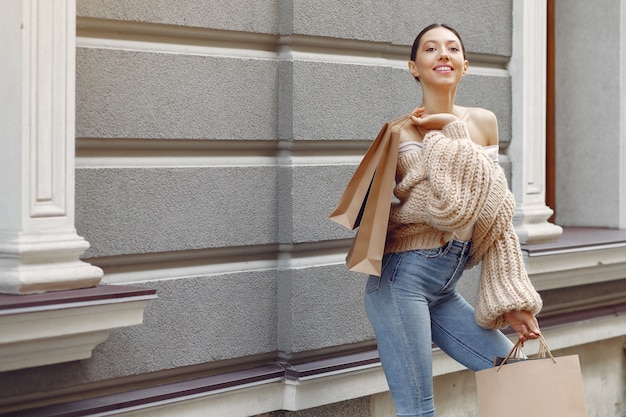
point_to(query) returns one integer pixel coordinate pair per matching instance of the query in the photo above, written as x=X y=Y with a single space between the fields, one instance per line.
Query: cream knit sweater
x=448 y=185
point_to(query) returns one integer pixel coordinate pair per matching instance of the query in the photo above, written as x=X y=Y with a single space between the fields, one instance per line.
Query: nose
x=443 y=54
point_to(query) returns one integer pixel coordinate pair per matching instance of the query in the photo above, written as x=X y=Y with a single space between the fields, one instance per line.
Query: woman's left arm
x=506 y=295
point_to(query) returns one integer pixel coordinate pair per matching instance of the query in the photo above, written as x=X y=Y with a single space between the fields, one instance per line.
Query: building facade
x=169 y=167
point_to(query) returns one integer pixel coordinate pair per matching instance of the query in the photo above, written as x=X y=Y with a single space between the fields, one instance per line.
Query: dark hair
x=416 y=42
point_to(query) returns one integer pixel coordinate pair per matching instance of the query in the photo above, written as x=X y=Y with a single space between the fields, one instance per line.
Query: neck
x=439 y=101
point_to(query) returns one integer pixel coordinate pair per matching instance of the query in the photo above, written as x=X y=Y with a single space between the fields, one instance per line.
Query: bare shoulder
x=482 y=115
x=483 y=124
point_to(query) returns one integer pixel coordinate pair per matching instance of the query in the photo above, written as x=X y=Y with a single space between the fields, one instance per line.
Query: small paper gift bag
x=544 y=387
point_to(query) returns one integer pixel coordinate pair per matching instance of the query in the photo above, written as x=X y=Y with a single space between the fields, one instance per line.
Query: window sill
x=581 y=256
x=63 y=326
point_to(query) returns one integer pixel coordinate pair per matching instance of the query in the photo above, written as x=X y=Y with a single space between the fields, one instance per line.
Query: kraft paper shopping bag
x=368 y=245
x=543 y=387
x=349 y=210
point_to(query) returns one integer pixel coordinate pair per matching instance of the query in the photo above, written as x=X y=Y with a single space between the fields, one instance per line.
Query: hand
x=524 y=323
x=431 y=121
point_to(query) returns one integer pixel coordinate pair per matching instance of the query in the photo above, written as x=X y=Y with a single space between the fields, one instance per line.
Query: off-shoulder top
x=465 y=233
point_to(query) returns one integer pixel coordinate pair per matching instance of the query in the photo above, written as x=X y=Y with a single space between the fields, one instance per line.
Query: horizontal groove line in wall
x=210 y=262
x=182 y=162
x=163 y=38
x=154 y=153
x=234 y=146
x=154 y=37
x=153 y=46
x=305 y=255
x=147 y=153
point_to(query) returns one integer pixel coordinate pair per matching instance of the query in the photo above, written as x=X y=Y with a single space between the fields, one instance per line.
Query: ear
x=465 y=67
x=413 y=69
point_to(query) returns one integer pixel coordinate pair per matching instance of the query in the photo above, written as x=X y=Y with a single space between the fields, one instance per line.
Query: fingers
x=522 y=333
x=418 y=120
x=536 y=323
x=418 y=115
x=525 y=324
x=418 y=111
x=528 y=332
x=533 y=327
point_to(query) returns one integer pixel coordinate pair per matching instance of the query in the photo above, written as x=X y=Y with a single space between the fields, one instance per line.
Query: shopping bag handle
x=515 y=353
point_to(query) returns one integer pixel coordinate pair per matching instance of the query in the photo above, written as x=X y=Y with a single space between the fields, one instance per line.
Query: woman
x=454 y=210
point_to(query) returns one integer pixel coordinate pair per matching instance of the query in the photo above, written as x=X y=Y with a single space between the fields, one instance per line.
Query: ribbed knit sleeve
x=504 y=284
x=460 y=176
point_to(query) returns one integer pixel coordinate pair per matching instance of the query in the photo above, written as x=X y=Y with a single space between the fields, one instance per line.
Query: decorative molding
x=63 y=326
x=46 y=95
x=39 y=248
x=528 y=145
x=622 y=121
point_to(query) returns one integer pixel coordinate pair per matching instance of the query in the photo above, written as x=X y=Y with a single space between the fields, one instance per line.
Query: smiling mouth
x=443 y=68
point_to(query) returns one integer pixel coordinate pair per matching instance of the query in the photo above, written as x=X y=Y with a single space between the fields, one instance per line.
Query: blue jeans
x=413 y=304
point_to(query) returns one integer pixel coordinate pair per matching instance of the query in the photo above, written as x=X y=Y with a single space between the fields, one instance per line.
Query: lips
x=443 y=68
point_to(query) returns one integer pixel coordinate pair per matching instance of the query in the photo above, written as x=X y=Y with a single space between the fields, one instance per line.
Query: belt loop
x=467 y=247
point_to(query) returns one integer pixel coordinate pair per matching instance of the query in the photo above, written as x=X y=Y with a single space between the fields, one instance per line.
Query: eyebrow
x=434 y=41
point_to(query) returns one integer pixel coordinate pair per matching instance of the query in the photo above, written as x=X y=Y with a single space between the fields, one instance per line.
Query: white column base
x=39 y=263
x=532 y=226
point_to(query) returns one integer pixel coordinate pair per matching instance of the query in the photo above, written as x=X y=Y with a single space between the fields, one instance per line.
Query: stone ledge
x=63 y=326
x=582 y=255
x=283 y=386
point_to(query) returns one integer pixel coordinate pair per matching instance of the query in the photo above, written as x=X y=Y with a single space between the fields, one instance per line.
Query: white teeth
x=444 y=68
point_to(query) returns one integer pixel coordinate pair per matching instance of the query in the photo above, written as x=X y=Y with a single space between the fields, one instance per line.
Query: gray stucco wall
x=140 y=94
x=191 y=145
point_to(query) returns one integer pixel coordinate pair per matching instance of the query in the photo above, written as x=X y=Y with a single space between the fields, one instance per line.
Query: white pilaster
x=528 y=144
x=622 y=121
x=39 y=246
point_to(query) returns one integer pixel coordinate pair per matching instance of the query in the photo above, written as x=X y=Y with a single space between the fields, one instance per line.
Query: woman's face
x=439 y=58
